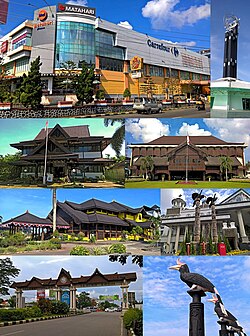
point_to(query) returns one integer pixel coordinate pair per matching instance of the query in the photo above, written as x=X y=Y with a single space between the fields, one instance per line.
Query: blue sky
x=16 y=130
x=50 y=266
x=166 y=302
x=39 y=202
x=232 y=130
x=184 y=21
x=168 y=194
x=241 y=9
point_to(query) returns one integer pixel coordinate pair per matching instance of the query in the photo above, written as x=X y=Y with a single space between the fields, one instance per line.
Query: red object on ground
x=222 y=249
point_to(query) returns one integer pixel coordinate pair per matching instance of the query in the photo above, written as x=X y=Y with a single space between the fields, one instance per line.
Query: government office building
x=122 y=58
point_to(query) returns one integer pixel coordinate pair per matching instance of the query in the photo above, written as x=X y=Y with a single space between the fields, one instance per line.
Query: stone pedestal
x=196 y=314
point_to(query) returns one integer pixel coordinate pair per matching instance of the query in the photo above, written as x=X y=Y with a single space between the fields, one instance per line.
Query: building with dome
x=232 y=215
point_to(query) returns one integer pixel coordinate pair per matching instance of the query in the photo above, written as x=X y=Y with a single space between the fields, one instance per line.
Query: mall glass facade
x=75 y=42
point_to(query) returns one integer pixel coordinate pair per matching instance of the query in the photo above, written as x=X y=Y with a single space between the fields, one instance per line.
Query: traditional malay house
x=68 y=151
x=93 y=218
x=201 y=156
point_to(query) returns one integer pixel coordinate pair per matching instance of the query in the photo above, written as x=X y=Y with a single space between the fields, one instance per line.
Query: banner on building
x=4 y=5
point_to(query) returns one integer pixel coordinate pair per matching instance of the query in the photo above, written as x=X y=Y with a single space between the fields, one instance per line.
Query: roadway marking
x=14 y=332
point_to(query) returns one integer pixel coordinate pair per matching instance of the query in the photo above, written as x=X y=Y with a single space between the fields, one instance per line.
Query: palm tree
x=147 y=164
x=226 y=164
x=119 y=135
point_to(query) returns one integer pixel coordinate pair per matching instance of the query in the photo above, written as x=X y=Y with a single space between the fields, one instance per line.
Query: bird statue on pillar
x=211 y=200
x=197 y=197
x=226 y=316
x=195 y=281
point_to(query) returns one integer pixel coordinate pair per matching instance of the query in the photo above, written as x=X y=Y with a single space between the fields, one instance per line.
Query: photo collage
x=124 y=157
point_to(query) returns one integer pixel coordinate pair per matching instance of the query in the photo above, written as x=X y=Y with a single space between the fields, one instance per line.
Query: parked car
x=147 y=105
x=110 y=310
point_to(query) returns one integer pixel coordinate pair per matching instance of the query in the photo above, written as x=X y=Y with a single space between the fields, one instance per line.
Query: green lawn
x=200 y=184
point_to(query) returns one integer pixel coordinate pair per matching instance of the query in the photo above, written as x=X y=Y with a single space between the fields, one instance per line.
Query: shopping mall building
x=122 y=58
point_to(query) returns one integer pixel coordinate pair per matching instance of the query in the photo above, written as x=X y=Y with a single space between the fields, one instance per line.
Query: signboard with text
x=4 y=11
x=109 y=297
x=68 y=8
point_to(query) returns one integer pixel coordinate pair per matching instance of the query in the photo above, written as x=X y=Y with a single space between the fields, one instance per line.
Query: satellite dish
x=231 y=21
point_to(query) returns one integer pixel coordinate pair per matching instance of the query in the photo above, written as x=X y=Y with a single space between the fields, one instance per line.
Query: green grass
x=200 y=184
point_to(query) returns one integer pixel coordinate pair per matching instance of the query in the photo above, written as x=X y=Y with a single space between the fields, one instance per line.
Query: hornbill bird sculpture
x=196 y=196
x=211 y=200
x=194 y=280
x=226 y=316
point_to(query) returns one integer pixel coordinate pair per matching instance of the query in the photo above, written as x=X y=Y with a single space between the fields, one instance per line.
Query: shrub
x=55 y=241
x=133 y=319
x=79 y=250
x=92 y=239
x=11 y=249
x=45 y=306
x=19 y=314
x=81 y=235
x=59 y=307
x=98 y=251
x=117 y=248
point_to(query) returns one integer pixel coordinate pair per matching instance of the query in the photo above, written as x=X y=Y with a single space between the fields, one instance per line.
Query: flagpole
x=187 y=158
x=46 y=152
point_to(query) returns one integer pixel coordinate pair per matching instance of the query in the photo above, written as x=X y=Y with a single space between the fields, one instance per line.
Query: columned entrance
x=64 y=282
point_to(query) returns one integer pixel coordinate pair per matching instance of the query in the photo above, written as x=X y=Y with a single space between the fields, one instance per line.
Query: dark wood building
x=200 y=154
x=93 y=218
x=71 y=152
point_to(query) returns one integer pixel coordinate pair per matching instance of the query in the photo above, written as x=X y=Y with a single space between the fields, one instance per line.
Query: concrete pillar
x=169 y=240
x=243 y=235
x=124 y=288
x=186 y=231
x=19 y=298
x=177 y=237
x=72 y=298
x=50 y=85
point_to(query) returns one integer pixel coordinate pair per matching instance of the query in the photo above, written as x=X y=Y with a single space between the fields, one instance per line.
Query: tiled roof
x=73 y=132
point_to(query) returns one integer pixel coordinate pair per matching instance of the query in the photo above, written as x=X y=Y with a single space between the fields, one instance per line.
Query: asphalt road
x=93 y=324
x=176 y=113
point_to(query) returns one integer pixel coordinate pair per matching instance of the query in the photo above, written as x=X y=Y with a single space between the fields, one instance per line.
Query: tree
x=67 y=71
x=7 y=168
x=147 y=164
x=137 y=230
x=83 y=300
x=226 y=165
x=118 y=136
x=122 y=259
x=7 y=271
x=126 y=93
x=30 y=91
x=85 y=85
x=5 y=91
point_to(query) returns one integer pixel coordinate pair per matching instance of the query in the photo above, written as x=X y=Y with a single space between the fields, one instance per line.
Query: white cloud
x=125 y=24
x=78 y=2
x=192 y=130
x=146 y=130
x=162 y=13
x=183 y=44
x=109 y=151
x=167 y=195
x=232 y=130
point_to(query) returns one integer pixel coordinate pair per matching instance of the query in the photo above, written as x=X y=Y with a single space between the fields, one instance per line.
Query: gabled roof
x=28 y=219
x=69 y=131
x=239 y=195
x=96 y=278
x=216 y=161
x=183 y=145
x=43 y=144
x=196 y=140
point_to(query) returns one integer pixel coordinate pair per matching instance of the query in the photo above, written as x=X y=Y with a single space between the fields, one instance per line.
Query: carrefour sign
x=76 y=9
x=163 y=47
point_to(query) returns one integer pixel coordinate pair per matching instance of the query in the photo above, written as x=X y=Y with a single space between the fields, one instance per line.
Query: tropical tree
x=137 y=231
x=7 y=168
x=7 y=271
x=118 y=136
x=126 y=93
x=83 y=300
x=85 y=84
x=68 y=75
x=147 y=164
x=5 y=91
x=30 y=91
x=226 y=165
